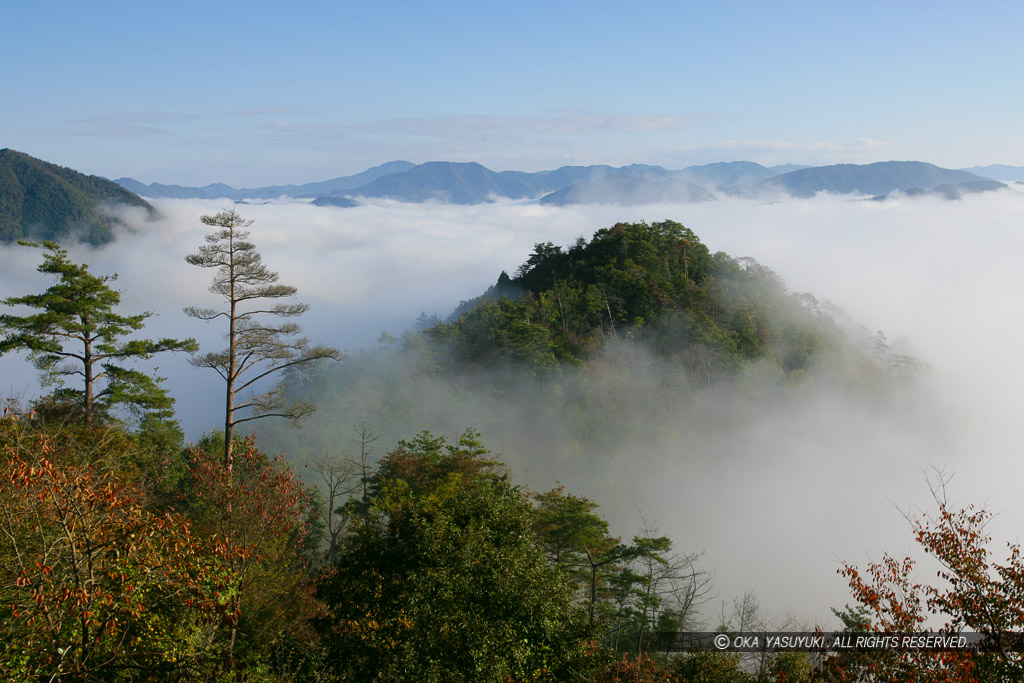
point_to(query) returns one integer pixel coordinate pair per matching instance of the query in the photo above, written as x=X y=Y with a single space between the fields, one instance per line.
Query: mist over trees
x=409 y=550
x=607 y=346
x=256 y=349
x=77 y=333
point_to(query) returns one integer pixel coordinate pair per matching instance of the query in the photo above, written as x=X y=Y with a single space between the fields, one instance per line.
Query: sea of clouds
x=779 y=503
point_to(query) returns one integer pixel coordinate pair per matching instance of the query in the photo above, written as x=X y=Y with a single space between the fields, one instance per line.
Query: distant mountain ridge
x=999 y=172
x=43 y=201
x=947 y=191
x=448 y=182
x=691 y=184
x=222 y=191
x=627 y=191
x=40 y=200
x=472 y=183
x=727 y=174
x=445 y=181
x=870 y=179
x=463 y=183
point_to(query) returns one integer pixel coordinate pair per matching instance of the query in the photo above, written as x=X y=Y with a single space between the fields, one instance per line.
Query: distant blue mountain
x=448 y=182
x=628 y=191
x=222 y=191
x=999 y=172
x=947 y=191
x=733 y=179
x=787 y=168
x=340 y=202
x=472 y=183
x=726 y=174
x=871 y=179
x=549 y=181
x=658 y=185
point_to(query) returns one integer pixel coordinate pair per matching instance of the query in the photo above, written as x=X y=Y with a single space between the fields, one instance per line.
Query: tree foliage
x=619 y=339
x=657 y=280
x=262 y=513
x=77 y=333
x=976 y=594
x=256 y=349
x=39 y=200
x=443 y=580
x=575 y=537
x=656 y=285
x=93 y=586
x=433 y=567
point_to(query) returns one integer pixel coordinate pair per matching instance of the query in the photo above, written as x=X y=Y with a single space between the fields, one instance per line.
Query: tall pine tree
x=256 y=348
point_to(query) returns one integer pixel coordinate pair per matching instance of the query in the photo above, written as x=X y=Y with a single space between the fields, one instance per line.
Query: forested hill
x=637 y=340
x=655 y=283
x=40 y=200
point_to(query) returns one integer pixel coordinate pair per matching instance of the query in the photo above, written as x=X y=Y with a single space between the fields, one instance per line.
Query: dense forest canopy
x=655 y=282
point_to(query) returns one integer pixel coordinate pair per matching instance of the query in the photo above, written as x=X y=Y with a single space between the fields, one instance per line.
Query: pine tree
x=256 y=349
x=77 y=333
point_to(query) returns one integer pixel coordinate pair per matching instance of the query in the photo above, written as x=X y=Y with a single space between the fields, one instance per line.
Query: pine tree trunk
x=87 y=369
x=229 y=412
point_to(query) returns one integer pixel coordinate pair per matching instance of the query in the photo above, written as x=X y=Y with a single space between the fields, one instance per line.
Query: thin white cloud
x=775 y=151
x=581 y=124
x=268 y=111
x=129 y=124
x=281 y=124
x=860 y=144
x=475 y=126
x=528 y=142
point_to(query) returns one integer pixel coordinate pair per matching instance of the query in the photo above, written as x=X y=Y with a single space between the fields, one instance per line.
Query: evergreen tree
x=443 y=578
x=256 y=349
x=77 y=333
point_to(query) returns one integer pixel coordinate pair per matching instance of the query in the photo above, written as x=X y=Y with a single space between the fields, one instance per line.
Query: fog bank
x=773 y=504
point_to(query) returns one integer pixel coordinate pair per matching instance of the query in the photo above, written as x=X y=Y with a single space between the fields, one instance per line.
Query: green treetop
x=443 y=578
x=76 y=332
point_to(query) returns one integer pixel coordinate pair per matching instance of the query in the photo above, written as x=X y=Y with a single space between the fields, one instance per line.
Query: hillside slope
x=40 y=200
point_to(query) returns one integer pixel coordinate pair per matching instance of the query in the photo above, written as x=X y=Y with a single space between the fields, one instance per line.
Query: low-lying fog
x=783 y=499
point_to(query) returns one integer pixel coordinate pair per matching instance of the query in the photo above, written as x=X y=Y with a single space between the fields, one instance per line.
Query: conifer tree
x=77 y=333
x=256 y=348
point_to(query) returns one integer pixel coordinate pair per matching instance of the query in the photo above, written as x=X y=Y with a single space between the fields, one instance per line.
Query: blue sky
x=260 y=93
